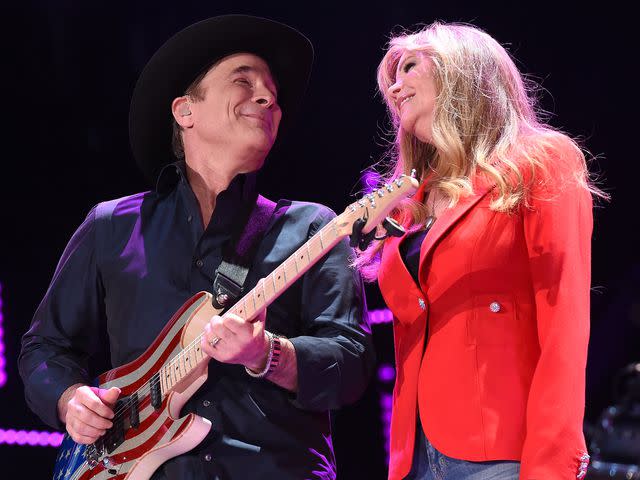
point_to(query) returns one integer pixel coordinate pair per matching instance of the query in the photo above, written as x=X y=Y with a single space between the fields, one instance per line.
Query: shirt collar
x=243 y=186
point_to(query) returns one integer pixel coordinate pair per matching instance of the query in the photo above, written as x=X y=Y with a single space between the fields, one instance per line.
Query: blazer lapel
x=448 y=219
x=407 y=302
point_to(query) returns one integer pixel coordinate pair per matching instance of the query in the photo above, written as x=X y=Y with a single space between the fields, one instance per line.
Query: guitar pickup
x=156 y=393
x=134 y=411
x=114 y=437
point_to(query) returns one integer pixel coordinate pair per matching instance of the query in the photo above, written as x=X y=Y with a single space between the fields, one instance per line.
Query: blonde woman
x=490 y=286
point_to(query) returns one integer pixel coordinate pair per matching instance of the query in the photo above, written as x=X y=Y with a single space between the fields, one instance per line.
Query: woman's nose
x=394 y=90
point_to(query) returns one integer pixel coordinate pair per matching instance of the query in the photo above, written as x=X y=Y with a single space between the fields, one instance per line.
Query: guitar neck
x=258 y=298
x=273 y=285
x=371 y=209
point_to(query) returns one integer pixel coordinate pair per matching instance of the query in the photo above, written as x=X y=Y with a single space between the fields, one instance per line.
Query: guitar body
x=160 y=433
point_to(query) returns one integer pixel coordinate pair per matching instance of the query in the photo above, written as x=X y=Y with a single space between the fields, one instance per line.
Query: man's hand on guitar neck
x=87 y=411
x=246 y=343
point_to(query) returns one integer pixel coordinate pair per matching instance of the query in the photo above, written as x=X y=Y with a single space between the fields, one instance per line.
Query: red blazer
x=506 y=301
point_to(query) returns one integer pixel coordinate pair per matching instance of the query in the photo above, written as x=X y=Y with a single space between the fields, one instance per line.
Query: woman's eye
x=242 y=81
x=408 y=66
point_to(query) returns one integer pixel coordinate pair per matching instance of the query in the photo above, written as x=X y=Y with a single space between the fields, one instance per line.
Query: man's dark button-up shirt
x=128 y=270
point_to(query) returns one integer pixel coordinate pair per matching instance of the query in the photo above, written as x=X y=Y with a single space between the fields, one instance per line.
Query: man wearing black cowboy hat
x=216 y=94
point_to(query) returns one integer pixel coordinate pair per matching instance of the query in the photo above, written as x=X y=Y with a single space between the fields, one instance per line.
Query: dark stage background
x=69 y=69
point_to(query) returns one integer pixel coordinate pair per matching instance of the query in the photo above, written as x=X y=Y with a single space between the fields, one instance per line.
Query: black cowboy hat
x=190 y=52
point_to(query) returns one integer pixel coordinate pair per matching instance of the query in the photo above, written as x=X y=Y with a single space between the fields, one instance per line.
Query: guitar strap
x=229 y=278
x=228 y=282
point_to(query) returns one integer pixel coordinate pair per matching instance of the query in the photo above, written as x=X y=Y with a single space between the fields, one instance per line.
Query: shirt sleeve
x=558 y=234
x=55 y=349
x=335 y=357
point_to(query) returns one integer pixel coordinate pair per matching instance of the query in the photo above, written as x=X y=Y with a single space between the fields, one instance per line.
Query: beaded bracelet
x=273 y=357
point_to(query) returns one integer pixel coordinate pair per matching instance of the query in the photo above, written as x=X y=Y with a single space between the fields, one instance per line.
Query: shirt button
x=495 y=307
x=189 y=218
x=207 y=457
x=206 y=403
x=199 y=263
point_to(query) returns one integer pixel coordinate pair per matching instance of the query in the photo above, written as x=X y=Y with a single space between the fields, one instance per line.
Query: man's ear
x=181 y=110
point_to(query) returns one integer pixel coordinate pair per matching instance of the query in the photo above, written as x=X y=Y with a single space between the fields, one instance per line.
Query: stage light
x=30 y=438
x=380 y=316
x=3 y=362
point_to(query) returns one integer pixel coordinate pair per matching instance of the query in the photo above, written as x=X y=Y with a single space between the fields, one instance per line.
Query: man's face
x=239 y=108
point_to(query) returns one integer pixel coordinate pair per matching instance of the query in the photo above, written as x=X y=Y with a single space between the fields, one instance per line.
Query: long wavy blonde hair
x=485 y=126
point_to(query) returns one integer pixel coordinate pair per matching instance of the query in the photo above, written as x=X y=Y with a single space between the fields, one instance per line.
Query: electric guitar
x=147 y=429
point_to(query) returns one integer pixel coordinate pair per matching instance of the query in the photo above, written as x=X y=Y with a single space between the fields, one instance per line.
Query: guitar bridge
x=92 y=455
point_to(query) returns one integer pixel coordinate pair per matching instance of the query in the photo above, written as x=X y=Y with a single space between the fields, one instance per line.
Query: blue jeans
x=430 y=464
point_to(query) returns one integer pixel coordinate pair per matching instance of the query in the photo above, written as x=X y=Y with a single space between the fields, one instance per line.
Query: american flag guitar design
x=147 y=429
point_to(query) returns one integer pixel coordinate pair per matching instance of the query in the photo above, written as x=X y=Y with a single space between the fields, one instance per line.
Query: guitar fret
x=181 y=366
x=178 y=369
x=275 y=288
x=172 y=367
x=320 y=237
x=194 y=351
x=199 y=348
x=259 y=295
x=175 y=367
x=188 y=359
x=167 y=372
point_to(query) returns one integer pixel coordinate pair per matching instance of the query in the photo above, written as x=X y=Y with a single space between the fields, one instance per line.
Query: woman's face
x=414 y=94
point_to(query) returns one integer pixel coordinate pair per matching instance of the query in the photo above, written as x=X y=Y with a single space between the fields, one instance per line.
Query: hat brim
x=188 y=53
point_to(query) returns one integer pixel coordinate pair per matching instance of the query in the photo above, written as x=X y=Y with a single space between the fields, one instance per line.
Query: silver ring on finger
x=214 y=341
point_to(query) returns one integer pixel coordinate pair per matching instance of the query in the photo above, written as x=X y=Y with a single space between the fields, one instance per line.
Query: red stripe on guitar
x=152 y=441
x=146 y=400
x=146 y=423
x=97 y=470
x=94 y=472
x=155 y=368
x=137 y=363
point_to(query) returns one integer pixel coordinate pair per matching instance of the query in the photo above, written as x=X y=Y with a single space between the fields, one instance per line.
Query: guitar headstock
x=373 y=208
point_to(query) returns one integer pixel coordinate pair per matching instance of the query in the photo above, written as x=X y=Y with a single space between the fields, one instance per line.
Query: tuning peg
x=372 y=200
